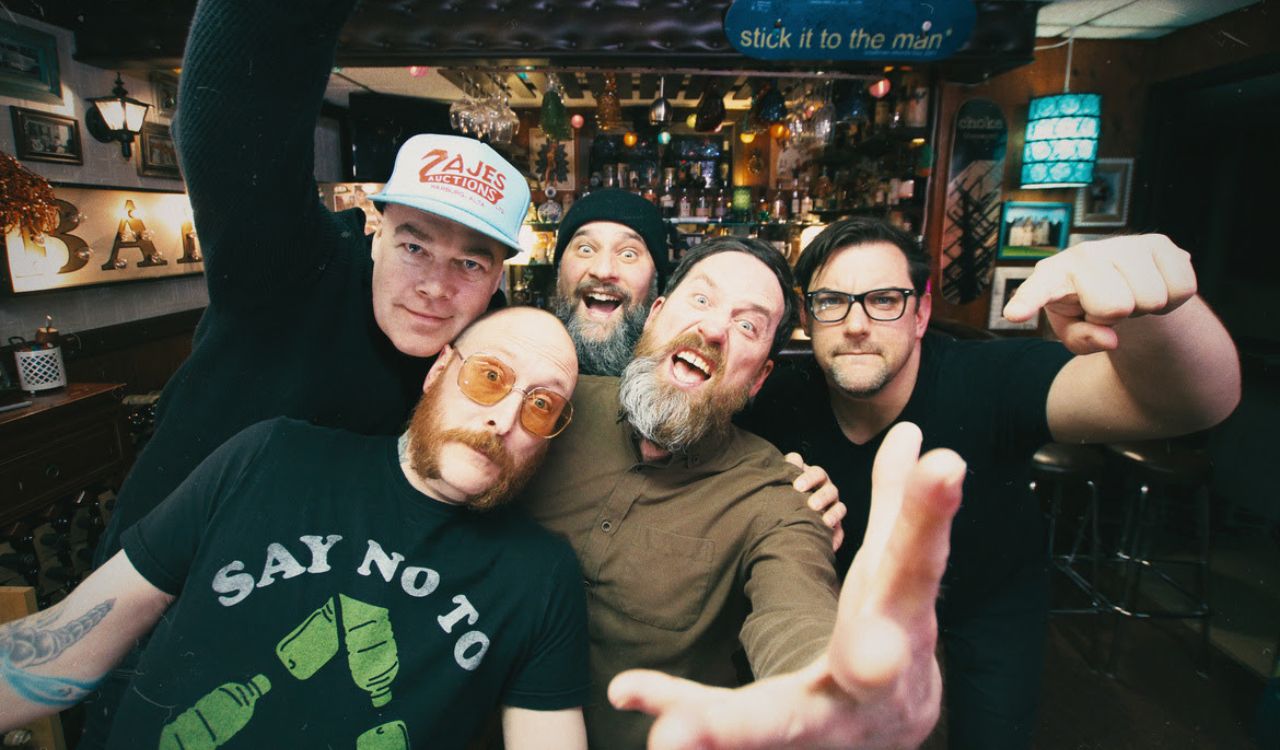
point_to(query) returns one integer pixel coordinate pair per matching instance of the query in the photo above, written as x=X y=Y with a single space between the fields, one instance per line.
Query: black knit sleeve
x=253 y=79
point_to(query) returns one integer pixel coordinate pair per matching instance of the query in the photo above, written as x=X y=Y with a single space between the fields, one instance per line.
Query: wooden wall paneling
x=1115 y=69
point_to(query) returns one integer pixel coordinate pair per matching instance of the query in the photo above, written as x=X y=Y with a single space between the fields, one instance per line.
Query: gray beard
x=665 y=415
x=606 y=356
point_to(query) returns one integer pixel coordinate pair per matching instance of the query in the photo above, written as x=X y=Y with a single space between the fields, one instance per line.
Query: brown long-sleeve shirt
x=684 y=558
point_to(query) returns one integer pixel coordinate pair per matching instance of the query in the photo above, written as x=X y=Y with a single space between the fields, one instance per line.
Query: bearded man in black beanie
x=612 y=260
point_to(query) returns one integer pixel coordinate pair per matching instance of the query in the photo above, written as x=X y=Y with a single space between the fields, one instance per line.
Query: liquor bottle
x=724 y=205
x=684 y=208
x=762 y=208
x=667 y=199
x=702 y=208
x=822 y=192
x=796 y=213
x=778 y=210
x=806 y=201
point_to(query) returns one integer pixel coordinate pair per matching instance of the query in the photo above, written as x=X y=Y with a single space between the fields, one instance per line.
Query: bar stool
x=1062 y=467
x=1162 y=471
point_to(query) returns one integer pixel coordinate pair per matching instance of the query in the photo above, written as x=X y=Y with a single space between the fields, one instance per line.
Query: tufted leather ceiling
x=603 y=33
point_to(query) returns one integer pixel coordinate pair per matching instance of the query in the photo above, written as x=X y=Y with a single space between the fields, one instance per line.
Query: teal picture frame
x=1031 y=231
x=29 y=64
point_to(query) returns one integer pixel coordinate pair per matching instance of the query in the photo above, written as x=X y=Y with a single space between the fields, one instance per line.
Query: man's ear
x=762 y=376
x=439 y=366
x=653 y=311
x=924 y=310
x=806 y=323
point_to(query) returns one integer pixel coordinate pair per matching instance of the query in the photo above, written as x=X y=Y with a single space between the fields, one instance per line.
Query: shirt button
x=606 y=526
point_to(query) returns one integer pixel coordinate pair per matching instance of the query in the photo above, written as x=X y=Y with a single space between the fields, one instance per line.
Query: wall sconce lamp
x=116 y=118
x=1062 y=137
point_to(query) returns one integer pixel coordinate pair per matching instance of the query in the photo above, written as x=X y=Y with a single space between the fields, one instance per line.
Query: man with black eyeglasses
x=1143 y=358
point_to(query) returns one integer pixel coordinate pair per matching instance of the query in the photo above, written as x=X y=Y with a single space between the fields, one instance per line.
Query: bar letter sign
x=881 y=30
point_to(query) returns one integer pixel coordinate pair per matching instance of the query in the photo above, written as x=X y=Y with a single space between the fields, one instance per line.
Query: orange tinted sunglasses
x=486 y=380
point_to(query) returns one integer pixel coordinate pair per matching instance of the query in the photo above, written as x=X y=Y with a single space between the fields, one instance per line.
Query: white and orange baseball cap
x=463 y=180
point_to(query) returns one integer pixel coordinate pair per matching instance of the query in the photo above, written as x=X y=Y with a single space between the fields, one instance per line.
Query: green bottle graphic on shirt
x=393 y=735
x=312 y=644
x=371 y=648
x=216 y=717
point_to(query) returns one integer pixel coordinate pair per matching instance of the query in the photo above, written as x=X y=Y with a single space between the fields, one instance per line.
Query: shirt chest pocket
x=658 y=578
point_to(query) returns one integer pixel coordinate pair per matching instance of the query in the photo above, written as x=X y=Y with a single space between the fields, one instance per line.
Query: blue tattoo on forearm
x=26 y=644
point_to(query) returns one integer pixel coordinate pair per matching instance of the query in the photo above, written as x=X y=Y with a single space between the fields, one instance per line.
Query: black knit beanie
x=621 y=207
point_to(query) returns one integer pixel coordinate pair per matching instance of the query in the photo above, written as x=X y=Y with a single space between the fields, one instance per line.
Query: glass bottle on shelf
x=778 y=210
x=806 y=200
x=684 y=209
x=822 y=191
x=667 y=199
x=796 y=214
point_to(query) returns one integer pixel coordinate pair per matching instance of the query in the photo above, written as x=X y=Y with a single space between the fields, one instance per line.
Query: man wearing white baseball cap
x=308 y=318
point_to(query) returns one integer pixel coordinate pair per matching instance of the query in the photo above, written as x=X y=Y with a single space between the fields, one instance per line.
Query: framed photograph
x=1031 y=231
x=29 y=64
x=1006 y=282
x=553 y=163
x=40 y=136
x=164 y=93
x=346 y=195
x=1077 y=238
x=157 y=156
x=104 y=236
x=1105 y=202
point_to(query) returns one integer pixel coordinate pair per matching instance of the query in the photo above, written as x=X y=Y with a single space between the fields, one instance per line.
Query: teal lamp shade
x=1062 y=140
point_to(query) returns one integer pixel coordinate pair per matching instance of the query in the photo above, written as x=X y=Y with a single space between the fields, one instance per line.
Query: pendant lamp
x=1062 y=137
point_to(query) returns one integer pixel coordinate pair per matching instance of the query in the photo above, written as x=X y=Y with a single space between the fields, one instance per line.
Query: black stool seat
x=1059 y=461
x=1164 y=462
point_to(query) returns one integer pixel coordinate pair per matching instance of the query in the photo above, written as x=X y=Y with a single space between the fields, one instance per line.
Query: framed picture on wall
x=29 y=64
x=157 y=156
x=1006 y=282
x=1105 y=202
x=164 y=93
x=40 y=136
x=1031 y=231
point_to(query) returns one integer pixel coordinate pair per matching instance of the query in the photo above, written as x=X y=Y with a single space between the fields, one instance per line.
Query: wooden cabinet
x=60 y=444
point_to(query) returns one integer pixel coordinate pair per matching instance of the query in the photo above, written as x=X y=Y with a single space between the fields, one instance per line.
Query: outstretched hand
x=878 y=684
x=1087 y=289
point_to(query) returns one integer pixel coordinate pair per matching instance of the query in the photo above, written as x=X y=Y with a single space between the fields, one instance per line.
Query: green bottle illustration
x=371 y=648
x=216 y=717
x=312 y=644
x=393 y=735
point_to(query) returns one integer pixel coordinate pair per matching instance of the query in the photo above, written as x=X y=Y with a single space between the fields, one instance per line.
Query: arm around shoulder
x=52 y=659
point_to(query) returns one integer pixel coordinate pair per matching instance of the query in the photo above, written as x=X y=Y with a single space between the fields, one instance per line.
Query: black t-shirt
x=324 y=602
x=983 y=399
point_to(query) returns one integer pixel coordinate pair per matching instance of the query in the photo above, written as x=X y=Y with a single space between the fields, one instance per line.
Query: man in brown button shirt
x=689 y=533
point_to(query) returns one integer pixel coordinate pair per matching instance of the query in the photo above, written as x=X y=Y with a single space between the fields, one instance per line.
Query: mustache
x=484 y=443
x=713 y=353
x=587 y=286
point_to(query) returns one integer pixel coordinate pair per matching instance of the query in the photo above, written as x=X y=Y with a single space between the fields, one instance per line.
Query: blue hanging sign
x=880 y=30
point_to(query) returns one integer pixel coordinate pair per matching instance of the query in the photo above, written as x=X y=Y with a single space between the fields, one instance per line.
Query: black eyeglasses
x=827 y=306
